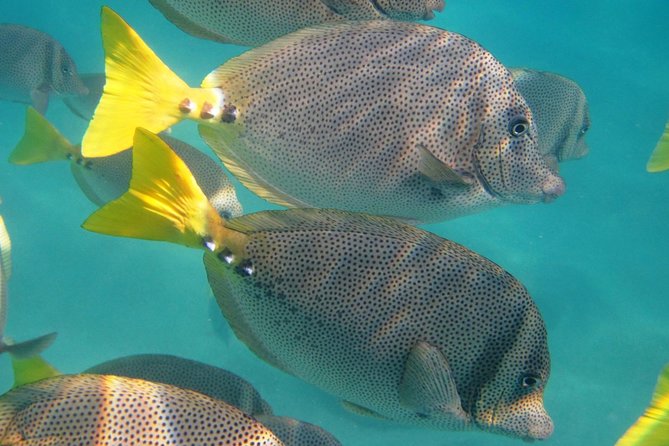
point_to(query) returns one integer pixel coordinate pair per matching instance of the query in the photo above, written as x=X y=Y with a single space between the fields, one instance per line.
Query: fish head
x=511 y=402
x=506 y=157
x=65 y=79
x=577 y=125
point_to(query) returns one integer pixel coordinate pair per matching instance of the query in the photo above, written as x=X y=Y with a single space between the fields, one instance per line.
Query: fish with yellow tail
x=652 y=428
x=375 y=311
x=104 y=179
x=659 y=160
x=25 y=349
x=255 y=22
x=110 y=410
x=388 y=118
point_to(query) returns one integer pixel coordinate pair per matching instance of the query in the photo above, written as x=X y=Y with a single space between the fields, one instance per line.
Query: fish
x=25 y=349
x=378 y=117
x=256 y=22
x=652 y=428
x=560 y=109
x=104 y=179
x=397 y=322
x=659 y=159
x=34 y=65
x=84 y=105
x=297 y=433
x=219 y=384
x=187 y=374
x=88 y=409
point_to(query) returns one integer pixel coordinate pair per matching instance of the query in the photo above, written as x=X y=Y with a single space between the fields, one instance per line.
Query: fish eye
x=518 y=127
x=530 y=381
x=65 y=69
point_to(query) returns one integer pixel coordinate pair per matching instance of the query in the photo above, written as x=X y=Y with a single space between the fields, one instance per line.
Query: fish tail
x=31 y=369
x=164 y=202
x=652 y=428
x=41 y=142
x=140 y=91
x=27 y=349
x=659 y=160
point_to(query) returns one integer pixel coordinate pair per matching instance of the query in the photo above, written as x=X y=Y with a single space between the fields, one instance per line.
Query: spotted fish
x=84 y=105
x=104 y=179
x=111 y=410
x=220 y=384
x=25 y=349
x=255 y=22
x=389 y=118
x=187 y=374
x=396 y=321
x=560 y=110
x=659 y=159
x=652 y=428
x=33 y=65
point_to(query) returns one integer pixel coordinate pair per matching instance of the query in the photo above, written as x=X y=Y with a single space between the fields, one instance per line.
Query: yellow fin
x=32 y=369
x=659 y=160
x=652 y=428
x=140 y=91
x=41 y=142
x=164 y=202
x=5 y=252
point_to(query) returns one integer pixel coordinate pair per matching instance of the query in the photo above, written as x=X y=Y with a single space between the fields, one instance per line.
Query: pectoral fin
x=436 y=170
x=427 y=385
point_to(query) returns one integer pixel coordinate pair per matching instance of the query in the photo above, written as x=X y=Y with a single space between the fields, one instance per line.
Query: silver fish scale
x=187 y=374
x=335 y=117
x=340 y=304
x=111 y=410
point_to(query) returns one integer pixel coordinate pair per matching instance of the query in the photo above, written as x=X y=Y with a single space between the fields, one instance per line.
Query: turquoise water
x=595 y=260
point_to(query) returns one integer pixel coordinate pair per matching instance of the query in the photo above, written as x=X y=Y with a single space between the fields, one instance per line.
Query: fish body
x=104 y=179
x=34 y=65
x=394 y=320
x=560 y=110
x=25 y=349
x=187 y=374
x=652 y=428
x=255 y=22
x=389 y=118
x=111 y=410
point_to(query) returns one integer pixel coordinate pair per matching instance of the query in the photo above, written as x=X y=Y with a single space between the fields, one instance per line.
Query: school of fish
x=363 y=123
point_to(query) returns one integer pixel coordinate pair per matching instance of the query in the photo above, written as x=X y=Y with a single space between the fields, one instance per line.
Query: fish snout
x=552 y=188
x=541 y=429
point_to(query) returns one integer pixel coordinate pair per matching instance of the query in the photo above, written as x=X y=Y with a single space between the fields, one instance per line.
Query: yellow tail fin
x=32 y=369
x=41 y=142
x=652 y=428
x=659 y=160
x=140 y=91
x=163 y=202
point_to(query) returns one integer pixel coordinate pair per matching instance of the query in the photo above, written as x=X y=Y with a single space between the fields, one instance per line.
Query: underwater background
x=595 y=261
